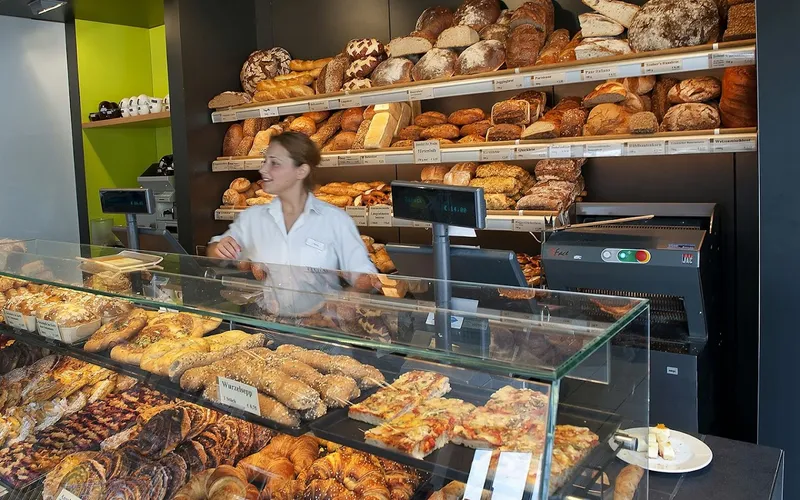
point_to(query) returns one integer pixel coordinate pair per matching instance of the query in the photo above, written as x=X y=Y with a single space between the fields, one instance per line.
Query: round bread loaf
x=691 y=116
x=436 y=63
x=477 y=13
x=305 y=125
x=403 y=143
x=410 y=133
x=430 y=118
x=504 y=132
x=667 y=24
x=343 y=141
x=698 y=89
x=364 y=47
x=230 y=196
x=352 y=118
x=483 y=57
x=466 y=116
x=233 y=137
x=357 y=83
x=478 y=128
x=472 y=138
x=445 y=131
x=434 y=20
x=361 y=68
x=240 y=184
x=263 y=65
x=391 y=71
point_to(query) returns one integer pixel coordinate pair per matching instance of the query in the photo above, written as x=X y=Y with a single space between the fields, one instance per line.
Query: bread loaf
x=308 y=65
x=568 y=54
x=356 y=84
x=592 y=48
x=691 y=116
x=351 y=119
x=667 y=24
x=360 y=48
x=698 y=89
x=430 y=118
x=434 y=173
x=737 y=106
x=550 y=13
x=283 y=93
x=549 y=126
x=393 y=108
x=331 y=78
x=304 y=125
x=621 y=12
x=410 y=133
x=457 y=37
x=554 y=45
x=380 y=131
x=537 y=99
x=466 y=116
x=391 y=71
x=504 y=132
x=477 y=13
x=426 y=35
x=403 y=119
x=478 y=128
x=660 y=97
x=361 y=134
x=244 y=146
x=644 y=122
x=627 y=482
x=607 y=119
x=633 y=103
x=402 y=143
x=640 y=85
x=434 y=20
x=530 y=13
x=599 y=25
x=497 y=32
x=228 y=99
x=233 y=137
x=445 y=131
x=741 y=22
x=362 y=68
x=513 y=111
x=436 y=63
x=318 y=116
x=261 y=142
x=328 y=129
x=572 y=122
x=483 y=57
x=523 y=45
x=468 y=166
x=408 y=46
x=343 y=141
x=457 y=178
x=605 y=92
x=263 y=65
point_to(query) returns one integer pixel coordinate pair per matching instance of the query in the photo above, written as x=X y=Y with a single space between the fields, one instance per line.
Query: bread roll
x=430 y=118
x=472 y=139
x=478 y=128
x=466 y=116
x=352 y=118
x=483 y=57
x=523 y=46
x=691 y=116
x=434 y=20
x=391 y=71
x=737 y=106
x=403 y=143
x=240 y=184
x=457 y=37
x=444 y=131
x=230 y=197
x=436 y=63
x=318 y=116
x=244 y=146
x=627 y=482
x=233 y=137
x=698 y=89
x=668 y=24
x=607 y=119
x=304 y=125
x=477 y=13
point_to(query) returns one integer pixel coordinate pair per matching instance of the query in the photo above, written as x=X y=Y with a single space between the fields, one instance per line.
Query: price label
x=547 y=79
x=219 y=166
x=657 y=67
x=229 y=115
x=726 y=59
x=252 y=164
x=687 y=146
x=351 y=101
x=734 y=144
x=380 y=216
x=514 y=82
x=269 y=112
x=497 y=154
x=420 y=94
x=648 y=148
x=67 y=495
x=238 y=395
x=421 y=225
x=560 y=151
x=511 y=475
x=427 y=152
x=602 y=150
x=49 y=329
x=15 y=319
x=359 y=215
x=374 y=159
x=592 y=74
x=528 y=225
x=477 y=474
x=319 y=105
x=250 y=113
x=225 y=215
x=349 y=160
x=329 y=161
x=532 y=152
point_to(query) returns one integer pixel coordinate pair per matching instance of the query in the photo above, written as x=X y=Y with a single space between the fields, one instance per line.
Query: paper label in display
x=229 y=115
x=219 y=166
x=250 y=113
x=14 y=319
x=374 y=160
x=456 y=322
x=420 y=94
x=359 y=215
x=649 y=148
x=351 y=101
x=48 y=329
x=592 y=74
x=528 y=225
x=349 y=160
x=269 y=112
x=319 y=105
x=477 y=474
x=238 y=395
x=602 y=150
x=67 y=495
x=532 y=152
x=726 y=59
x=427 y=152
x=734 y=144
x=560 y=151
x=497 y=154
x=225 y=215
x=329 y=161
x=515 y=82
x=688 y=146
x=656 y=67
x=547 y=79
x=380 y=216
x=511 y=475
x=419 y=224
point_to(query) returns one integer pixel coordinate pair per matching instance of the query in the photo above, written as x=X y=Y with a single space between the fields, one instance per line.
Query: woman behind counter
x=295 y=229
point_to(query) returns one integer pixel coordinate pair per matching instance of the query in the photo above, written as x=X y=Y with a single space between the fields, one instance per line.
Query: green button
x=626 y=256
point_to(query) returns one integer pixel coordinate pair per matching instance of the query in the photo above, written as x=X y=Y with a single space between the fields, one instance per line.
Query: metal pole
x=133 y=232
x=441 y=287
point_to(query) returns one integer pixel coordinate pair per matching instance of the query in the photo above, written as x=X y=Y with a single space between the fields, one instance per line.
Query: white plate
x=691 y=454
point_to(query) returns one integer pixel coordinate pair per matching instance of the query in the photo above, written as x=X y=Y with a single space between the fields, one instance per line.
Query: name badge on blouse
x=315 y=244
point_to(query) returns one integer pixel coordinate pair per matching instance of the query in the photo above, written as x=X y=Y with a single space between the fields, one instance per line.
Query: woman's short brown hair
x=302 y=151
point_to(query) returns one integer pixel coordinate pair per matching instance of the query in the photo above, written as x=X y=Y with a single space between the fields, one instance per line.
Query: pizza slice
x=424 y=383
x=527 y=402
x=487 y=427
x=386 y=404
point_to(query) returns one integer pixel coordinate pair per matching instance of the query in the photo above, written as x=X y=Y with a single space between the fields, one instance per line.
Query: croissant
x=327 y=467
x=263 y=467
x=327 y=489
x=305 y=451
x=195 y=488
x=287 y=490
x=372 y=489
x=226 y=482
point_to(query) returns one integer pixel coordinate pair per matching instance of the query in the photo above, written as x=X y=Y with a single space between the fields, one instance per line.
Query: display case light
x=39 y=7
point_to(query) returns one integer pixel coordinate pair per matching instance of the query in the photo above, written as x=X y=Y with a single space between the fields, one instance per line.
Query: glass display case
x=506 y=393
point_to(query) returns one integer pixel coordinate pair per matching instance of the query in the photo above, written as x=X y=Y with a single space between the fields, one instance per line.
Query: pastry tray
x=111 y=262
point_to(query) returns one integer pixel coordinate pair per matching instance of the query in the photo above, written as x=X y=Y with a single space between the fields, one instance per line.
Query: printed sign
x=238 y=395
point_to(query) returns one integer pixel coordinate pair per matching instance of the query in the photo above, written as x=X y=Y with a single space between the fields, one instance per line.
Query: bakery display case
x=192 y=372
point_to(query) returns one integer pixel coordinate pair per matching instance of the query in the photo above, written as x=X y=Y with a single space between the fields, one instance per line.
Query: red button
x=643 y=256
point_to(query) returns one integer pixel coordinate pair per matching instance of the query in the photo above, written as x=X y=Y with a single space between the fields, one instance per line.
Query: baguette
x=283 y=93
x=307 y=65
x=298 y=79
x=627 y=482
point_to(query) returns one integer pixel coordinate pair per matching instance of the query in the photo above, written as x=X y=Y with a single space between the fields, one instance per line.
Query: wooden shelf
x=143 y=121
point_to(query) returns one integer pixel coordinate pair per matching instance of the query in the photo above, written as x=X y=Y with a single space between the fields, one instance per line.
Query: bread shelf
x=668 y=143
x=143 y=121
x=704 y=57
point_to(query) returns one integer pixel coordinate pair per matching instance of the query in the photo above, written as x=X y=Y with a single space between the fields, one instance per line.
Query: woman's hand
x=227 y=248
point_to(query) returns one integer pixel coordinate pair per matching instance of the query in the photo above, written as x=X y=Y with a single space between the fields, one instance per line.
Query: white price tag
x=359 y=215
x=67 y=495
x=560 y=151
x=592 y=74
x=420 y=94
x=547 y=79
x=514 y=82
x=269 y=112
x=380 y=216
x=423 y=225
x=329 y=161
x=528 y=225
x=601 y=150
x=348 y=160
x=224 y=215
x=351 y=101
x=229 y=115
x=238 y=395
x=219 y=166
x=511 y=475
x=725 y=59
x=374 y=159
x=497 y=154
x=648 y=148
x=733 y=145
x=252 y=164
x=427 y=152
x=657 y=67
x=477 y=474
x=14 y=319
x=319 y=105
x=685 y=146
x=532 y=152
x=49 y=329
x=250 y=113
